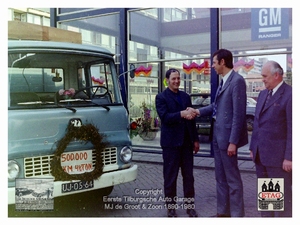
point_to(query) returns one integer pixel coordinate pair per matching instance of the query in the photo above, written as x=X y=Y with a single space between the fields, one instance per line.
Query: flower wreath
x=84 y=133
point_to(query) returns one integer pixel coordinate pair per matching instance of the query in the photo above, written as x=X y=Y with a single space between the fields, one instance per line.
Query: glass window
x=34 y=19
x=178 y=34
x=101 y=81
x=163 y=38
x=175 y=14
x=102 y=30
x=250 y=68
x=256 y=36
x=152 y=13
x=239 y=26
x=177 y=39
x=48 y=80
x=144 y=86
x=70 y=10
x=35 y=79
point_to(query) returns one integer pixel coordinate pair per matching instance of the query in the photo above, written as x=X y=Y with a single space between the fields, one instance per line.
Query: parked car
x=39 y=193
x=250 y=112
x=23 y=191
x=251 y=101
x=203 y=123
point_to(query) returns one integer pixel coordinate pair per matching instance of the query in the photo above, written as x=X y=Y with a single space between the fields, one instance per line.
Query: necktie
x=268 y=97
x=220 y=88
x=218 y=92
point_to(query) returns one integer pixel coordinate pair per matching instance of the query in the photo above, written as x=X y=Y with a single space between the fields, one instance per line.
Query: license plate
x=76 y=186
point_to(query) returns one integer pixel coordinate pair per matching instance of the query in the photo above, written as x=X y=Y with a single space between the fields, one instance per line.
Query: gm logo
x=269 y=20
x=269 y=23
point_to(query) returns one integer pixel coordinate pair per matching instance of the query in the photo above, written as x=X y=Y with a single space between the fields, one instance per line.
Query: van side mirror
x=132 y=70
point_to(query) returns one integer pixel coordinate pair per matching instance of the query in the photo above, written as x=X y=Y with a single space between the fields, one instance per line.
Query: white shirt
x=276 y=88
x=224 y=80
x=226 y=77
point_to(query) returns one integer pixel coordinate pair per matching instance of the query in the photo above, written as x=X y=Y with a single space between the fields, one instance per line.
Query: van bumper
x=106 y=180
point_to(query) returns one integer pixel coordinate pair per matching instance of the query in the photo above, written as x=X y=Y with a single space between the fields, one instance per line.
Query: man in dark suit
x=271 y=142
x=229 y=133
x=178 y=140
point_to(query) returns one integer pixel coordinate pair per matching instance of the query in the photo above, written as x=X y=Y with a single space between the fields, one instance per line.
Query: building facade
x=156 y=39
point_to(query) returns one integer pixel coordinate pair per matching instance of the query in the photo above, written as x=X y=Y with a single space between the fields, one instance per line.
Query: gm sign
x=269 y=24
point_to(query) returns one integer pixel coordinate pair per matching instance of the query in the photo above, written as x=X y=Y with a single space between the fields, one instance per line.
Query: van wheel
x=250 y=120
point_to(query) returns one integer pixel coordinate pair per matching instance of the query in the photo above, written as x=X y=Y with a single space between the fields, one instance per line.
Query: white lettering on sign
x=268 y=18
x=77 y=162
x=261 y=36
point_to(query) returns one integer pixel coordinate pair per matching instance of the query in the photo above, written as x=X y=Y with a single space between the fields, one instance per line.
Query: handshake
x=190 y=113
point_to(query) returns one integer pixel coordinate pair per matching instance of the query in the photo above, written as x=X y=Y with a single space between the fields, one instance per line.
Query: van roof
x=27 y=44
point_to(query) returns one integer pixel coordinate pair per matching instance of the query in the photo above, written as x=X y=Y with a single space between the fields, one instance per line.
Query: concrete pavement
x=201 y=162
x=150 y=180
x=143 y=197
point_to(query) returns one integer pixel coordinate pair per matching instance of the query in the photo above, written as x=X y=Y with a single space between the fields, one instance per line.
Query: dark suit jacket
x=172 y=125
x=272 y=130
x=231 y=124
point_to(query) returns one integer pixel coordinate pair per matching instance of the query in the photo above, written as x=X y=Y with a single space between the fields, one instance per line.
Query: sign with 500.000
x=77 y=162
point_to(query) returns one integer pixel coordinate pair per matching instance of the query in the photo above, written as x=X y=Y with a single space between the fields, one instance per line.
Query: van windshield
x=55 y=79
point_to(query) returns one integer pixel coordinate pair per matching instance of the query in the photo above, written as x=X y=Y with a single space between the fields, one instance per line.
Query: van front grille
x=40 y=165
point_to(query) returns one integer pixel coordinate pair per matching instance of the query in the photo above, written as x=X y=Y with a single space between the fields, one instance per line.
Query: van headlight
x=126 y=154
x=13 y=170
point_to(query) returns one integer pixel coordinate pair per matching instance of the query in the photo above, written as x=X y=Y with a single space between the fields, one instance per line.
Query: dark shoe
x=191 y=213
x=221 y=215
x=172 y=213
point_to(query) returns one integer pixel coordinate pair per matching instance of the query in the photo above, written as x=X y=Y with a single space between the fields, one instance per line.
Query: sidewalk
x=201 y=162
x=150 y=151
x=150 y=177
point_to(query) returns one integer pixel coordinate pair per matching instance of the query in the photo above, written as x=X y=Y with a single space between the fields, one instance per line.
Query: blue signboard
x=269 y=24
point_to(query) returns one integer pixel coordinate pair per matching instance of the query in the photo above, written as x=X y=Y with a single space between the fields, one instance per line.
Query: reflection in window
x=153 y=13
x=175 y=14
x=93 y=30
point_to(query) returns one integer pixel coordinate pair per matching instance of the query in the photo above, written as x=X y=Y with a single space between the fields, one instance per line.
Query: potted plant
x=147 y=125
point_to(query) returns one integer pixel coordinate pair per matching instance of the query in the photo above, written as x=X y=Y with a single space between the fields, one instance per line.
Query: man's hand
x=251 y=154
x=189 y=113
x=196 y=147
x=190 y=109
x=231 y=149
x=287 y=165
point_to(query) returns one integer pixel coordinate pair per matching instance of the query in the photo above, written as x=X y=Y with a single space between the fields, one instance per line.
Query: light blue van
x=66 y=119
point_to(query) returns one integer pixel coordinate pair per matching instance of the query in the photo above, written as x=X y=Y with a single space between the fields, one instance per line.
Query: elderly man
x=271 y=143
